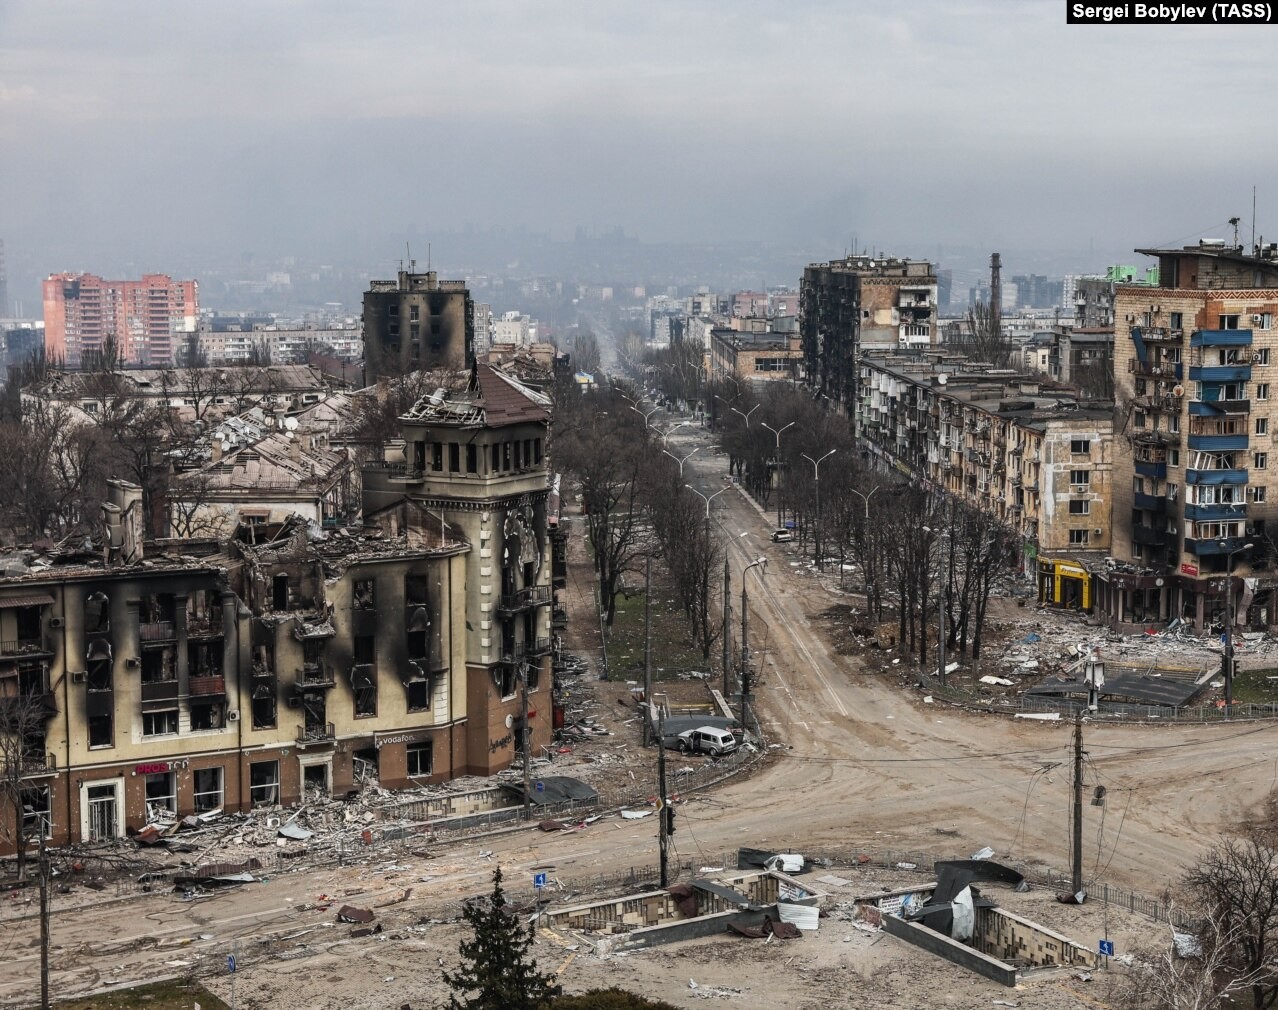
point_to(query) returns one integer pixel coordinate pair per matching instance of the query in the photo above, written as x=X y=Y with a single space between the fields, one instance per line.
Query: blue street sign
x=539 y=880
x=541 y=787
x=1107 y=948
x=230 y=963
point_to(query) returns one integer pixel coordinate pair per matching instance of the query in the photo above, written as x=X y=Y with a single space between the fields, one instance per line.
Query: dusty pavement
x=863 y=763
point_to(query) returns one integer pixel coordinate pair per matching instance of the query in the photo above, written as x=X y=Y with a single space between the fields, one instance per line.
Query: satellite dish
x=1178 y=390
x=1159 y=582
x=290 y=424
x=510 y=721
x=942 y=379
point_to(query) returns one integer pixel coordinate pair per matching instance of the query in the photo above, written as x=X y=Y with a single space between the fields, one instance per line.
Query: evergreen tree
x=495 y=965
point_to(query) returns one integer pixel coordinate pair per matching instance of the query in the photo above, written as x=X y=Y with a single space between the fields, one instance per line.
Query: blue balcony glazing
x=1148 y=469
x=1212 y=406
x=1220 y=338
x=1152 y=502
x=1215 y=476
x=1218 y=443
x=1226 y=545
x=1219 y=373
x=1216 y=511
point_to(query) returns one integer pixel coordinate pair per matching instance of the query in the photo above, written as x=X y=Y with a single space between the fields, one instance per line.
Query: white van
x=707 y=740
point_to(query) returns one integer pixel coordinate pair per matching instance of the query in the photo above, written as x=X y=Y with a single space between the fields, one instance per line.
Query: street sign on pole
x=1107 y=948
x=539 y=880
x=230 y=963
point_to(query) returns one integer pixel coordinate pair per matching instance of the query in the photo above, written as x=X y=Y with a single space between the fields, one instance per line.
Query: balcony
x=1218 y=443
x=1151 y=536
x=25 y=647
x=1216 y=511
x=1151 y=502
x=1220 y=373
x=535 y=647
x=522 y=599
x=314 y=676
x=160 y=691
x=36 y=763
x=1161 y=334
x=1214 y=408
x=1161 y=369
x=204 y=627
x=1218 y=545
x=157 y=631
x=1220 y=338
x=1211 y=477
x=1149 y=468
x=316 y=733
x=207 y=686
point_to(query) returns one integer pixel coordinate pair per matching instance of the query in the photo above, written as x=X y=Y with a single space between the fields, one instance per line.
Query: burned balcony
x=160 y=691
x=315 y=677
x=157 y=632
x=523 y=599
x=316 y=733
x=208 y=686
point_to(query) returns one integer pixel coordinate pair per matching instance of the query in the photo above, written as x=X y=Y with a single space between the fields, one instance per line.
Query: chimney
x=295 y=448
x=125 y=524
x=216 y=446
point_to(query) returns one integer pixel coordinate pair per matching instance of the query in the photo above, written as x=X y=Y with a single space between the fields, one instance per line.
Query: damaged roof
x=279 y=461
x=491 y=399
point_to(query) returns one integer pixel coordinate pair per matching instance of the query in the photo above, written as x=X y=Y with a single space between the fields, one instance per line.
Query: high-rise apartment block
x=147 y=320
x=1195 y=471
x=417 y=322
x=858 y=305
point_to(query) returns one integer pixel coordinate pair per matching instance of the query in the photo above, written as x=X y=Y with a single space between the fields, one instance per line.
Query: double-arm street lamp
x=682 y=460
x=776 y=457
x=816 y=476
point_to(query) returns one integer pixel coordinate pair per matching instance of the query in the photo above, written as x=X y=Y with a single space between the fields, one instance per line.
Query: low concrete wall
x=1011 y=937
x=951 y=950
x=685 y=929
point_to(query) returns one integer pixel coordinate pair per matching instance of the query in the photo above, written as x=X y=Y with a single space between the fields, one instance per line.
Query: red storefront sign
x=1187 y=569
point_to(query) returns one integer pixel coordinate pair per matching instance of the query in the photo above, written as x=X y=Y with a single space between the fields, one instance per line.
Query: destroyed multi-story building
x=149 y=680
x=1035 y=458
x=861 y=305
x=1194 y=438
x=417 y=322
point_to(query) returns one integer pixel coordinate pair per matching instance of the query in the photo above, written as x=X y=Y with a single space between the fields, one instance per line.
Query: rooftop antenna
x=412 y=266
x=428 y=257
x=1254 y=246
x=1234 y=222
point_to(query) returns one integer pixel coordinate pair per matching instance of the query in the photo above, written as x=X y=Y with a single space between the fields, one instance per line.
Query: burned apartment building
x=1195 y=441
x=417 y=322
x=148 y=680
x=1033 y=456
x=860 y=305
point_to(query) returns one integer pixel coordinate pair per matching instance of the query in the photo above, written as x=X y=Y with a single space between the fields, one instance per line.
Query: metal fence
x=1107 y=711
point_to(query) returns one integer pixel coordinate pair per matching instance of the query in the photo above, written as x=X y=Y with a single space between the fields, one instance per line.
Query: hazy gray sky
x=305 y=126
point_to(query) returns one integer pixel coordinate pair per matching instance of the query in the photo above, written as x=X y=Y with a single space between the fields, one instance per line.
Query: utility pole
x=44 y=918
x=526 y=743
x=1077 y=879
x=663 y=840
x=727 y=629
x=745 y=655
x=647 y=649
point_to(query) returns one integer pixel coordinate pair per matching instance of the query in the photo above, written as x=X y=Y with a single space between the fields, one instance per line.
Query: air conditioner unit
x=232 y=716
x=55 y=622
x=79 y=677
x=1097 y=532
x=294 y=701
x=133 y=662
x=1257 y=319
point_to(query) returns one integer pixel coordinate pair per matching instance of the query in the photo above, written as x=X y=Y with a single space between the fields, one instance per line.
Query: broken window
x=418 y=696
x=507 y=679
x=205 y=658
x=100 y=731
x=37 y=812
x=472 y=459
x=279 y=592
x=264 y=782
x=1079 y=506
x=264 y=707
x=157 y=666
x=208 y=716
x=1080 y=446
x=97 y=613
x=162 y=723
x=363 y=595
x=208 y=789
x=161 y=796
x=420 y=759
x=364 y=681
x=454 y=457
x=98 y=661
x=437 y=456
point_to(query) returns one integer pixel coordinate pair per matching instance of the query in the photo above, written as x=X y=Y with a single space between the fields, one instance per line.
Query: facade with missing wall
x=150 y=680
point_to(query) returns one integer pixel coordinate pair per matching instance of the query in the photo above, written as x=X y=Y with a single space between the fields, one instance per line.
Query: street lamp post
x=940 y=615
x=745 y=642
x=776 y=457
x=747 y=414
x=707 y=499
x=865 y=498
x=643 y=415
x=816 y=476
x=682 y=460
x=1227 y=661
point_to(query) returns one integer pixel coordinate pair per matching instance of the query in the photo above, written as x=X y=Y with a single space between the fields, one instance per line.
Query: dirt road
x=864 y=763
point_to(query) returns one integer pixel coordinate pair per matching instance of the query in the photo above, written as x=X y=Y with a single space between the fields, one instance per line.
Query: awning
x=29 y=600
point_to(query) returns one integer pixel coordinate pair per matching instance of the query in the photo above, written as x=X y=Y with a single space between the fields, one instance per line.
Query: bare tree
x=24 y=714
x=1236 y=883
x=985 y=338
x=1173 y=977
